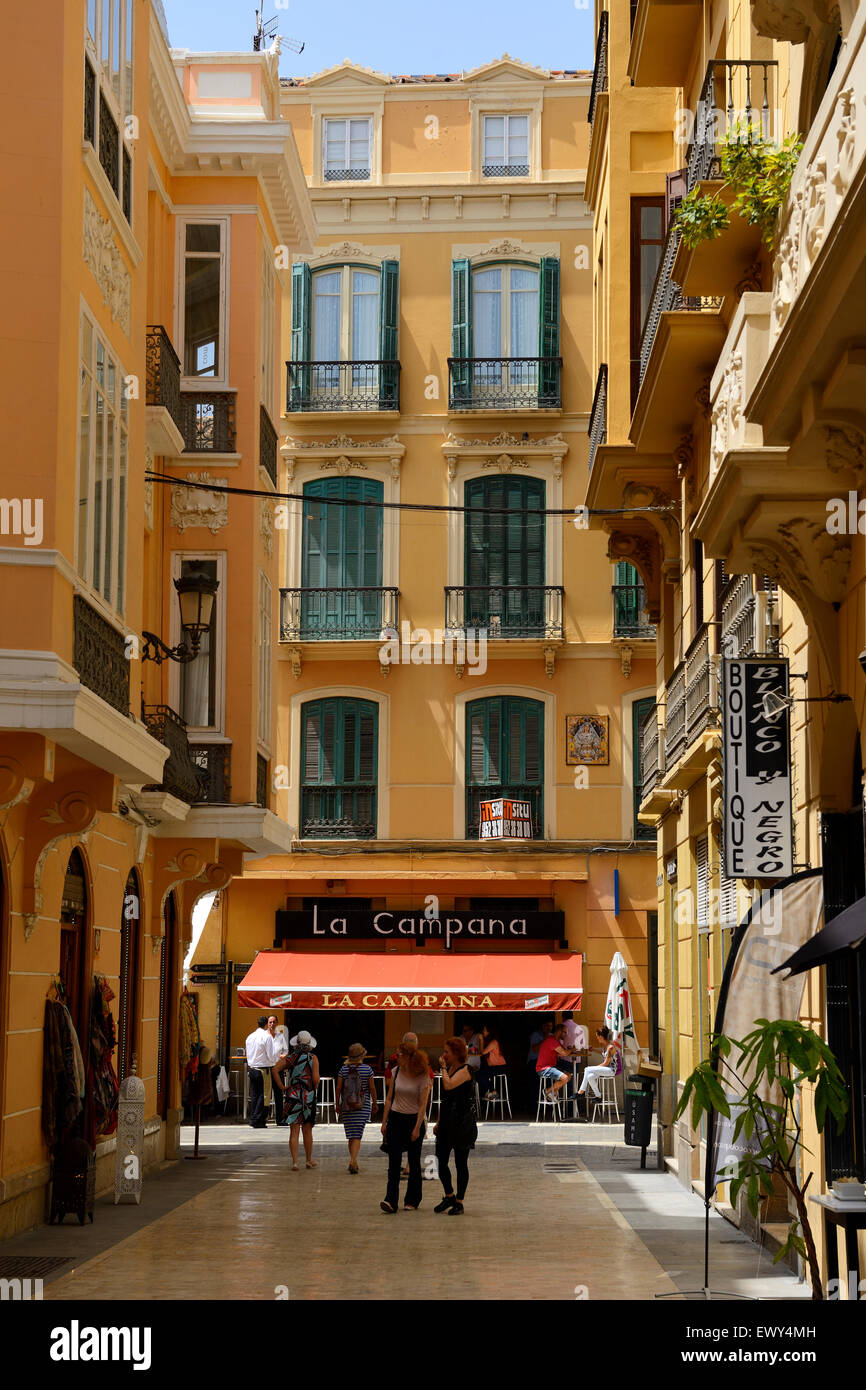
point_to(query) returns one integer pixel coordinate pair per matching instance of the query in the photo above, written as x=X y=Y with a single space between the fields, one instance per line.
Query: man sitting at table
x=549 y=1052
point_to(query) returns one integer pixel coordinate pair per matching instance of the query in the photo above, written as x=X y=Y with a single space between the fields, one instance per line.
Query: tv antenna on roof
x=266 y=32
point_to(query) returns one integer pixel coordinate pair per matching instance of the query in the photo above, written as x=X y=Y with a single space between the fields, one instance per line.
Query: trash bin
x=639 y=1097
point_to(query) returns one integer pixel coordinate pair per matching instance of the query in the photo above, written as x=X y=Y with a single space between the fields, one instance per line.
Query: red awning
x=298 y=980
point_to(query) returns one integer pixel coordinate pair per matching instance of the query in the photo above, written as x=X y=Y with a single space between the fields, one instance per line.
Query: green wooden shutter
x=476 y=750
x=475 y=541
x=549 y=391
x=302 y=293
x=640 y=713
x=367 y=741
x=389 y=372
x=461 y=329
x=349 y=742
x=312 y=750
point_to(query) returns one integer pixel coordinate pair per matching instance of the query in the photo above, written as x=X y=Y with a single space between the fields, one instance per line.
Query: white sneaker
x=550 y=1095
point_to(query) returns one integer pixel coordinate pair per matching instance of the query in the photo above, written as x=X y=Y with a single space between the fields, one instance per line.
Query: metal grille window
x=506 y=146
x=108 y=92
x=339 y=761
x=102 y=468
x=346 y=149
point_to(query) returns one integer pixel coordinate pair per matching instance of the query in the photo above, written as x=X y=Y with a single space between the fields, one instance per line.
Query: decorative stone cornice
x=343 y=453
x=495 y=451
x=791 y=20
x=106 y=263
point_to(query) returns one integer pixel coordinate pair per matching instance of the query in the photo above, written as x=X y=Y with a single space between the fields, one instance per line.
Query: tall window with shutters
x=504 y=559
x=504 y=756
x=341 y=565
x=344 y=338
x=339 y=759
x=505 y=335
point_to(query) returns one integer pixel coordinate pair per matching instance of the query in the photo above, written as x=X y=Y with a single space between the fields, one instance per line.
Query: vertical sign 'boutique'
x=757 y=766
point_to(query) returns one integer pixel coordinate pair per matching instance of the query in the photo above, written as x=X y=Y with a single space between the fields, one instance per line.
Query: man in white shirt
x=281 y=1048
x=260 y=1056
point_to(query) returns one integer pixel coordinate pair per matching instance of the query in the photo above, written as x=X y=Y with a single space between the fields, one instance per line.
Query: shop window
x=504 y=757
x=339 y=760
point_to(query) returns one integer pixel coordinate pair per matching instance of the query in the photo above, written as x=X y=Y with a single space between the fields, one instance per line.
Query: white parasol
x=617 y=1014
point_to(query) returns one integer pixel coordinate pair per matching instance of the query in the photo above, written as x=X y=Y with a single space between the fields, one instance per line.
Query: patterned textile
x=354 y=1121
x=61 y=1093
x=103 y=1088
x=189 y=1040
x=300 y=1097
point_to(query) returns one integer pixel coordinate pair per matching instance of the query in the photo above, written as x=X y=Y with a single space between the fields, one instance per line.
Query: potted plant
x=756 y=173
x=760 y=1090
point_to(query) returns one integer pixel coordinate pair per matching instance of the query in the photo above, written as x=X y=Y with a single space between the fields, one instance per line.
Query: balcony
x=504 y=383
x=208 y=422
x=629 y=613
x=507 y=611
x=702 y=692
x=338 y=813
x=663 y=39
x=736 y=97
x=164 y=420
x=475 y=795
x=337 y=614
x=180 y=776
x=747 y=618
x=692 y=735
x=599 y=71
x=675 y=716
x=651 y=749
x=598 y=415
x=99 y=655
x=213 y=766
x=267 y=445
x=343 y=386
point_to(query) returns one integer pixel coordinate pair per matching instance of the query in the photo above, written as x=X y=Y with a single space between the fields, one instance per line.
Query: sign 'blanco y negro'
x=757 y=771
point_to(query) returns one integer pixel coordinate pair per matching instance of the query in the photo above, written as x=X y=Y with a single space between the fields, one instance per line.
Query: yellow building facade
x=727 y=430
x=138 y=332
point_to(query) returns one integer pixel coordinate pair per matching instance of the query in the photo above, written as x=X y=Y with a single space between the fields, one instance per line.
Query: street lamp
x=195 y=591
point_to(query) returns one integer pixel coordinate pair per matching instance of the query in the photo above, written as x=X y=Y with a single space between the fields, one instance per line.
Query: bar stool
x=500 y=1097
x=607 y=1101
x=327 y=1098
x=435 y=1098
x=557 y=1105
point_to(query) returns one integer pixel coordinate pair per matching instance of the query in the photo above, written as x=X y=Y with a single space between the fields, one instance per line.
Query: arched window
x=339 y=758
x=73 y=940
x=128 y=1003
x=504 y=756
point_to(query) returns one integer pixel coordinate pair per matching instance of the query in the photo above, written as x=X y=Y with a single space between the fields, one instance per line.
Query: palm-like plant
x=762 y=1093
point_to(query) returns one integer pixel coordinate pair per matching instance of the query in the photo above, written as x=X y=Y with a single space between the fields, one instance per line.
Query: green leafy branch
x=758 y=173
x=776 y=1058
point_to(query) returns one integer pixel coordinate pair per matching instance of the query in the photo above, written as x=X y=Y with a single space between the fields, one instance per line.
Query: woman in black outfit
x=456 y=1129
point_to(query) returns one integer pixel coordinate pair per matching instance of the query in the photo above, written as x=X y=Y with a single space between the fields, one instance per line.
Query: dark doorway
x=334 y=1031
x=73 y=942
x=513 y=1029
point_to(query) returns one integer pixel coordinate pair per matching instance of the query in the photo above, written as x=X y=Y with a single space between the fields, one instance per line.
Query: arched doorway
x=74 y=941
x=130 y=940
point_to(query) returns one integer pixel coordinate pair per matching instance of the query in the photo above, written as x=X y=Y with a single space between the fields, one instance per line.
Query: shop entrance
x=334 y=1031
x=513 y=1029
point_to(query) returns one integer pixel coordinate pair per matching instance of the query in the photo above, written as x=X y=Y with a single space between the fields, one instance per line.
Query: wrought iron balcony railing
x=504 y=383
x=267 y=445
x=675 y=716
x=475 y=795
x=213 y=764
x=99 y=655
x=507 y=610
x=651 y=753
x=629 y=612
x=599 y=71
x=598 y=415
x=714 y=119
x=338 y=813
x=373 y=385
x=208 y=422
x=702 y=694
x=747 y=617
x=163 y=373
x=262 y=781
x=666 y=297
x=180 y=776
x=337 y=615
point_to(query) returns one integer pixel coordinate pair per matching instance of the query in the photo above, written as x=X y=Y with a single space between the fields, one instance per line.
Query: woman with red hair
x=403 y=1124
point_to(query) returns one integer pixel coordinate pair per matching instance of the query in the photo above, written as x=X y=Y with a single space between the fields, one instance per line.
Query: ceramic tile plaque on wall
x=586 y=738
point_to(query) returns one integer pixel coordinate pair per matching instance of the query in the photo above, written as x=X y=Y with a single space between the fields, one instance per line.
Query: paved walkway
x=553 y=1212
